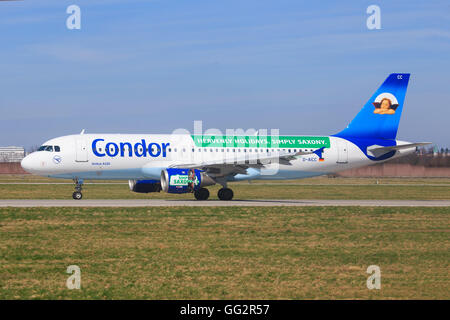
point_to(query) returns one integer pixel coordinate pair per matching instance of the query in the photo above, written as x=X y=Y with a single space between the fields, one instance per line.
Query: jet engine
x=144 y=186
x=175 y=180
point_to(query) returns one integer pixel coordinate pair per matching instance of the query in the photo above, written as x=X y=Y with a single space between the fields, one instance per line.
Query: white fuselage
x=123 y=156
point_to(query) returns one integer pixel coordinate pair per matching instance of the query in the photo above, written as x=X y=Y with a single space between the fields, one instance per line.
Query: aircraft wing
x=377 y=151
x=232 y=166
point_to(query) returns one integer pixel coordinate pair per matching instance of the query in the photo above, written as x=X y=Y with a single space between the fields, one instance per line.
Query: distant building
x=11 y=154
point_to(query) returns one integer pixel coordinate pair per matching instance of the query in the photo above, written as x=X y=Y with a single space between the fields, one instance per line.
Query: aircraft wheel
x=225 y=194
x=201 y=194
x=77 y=195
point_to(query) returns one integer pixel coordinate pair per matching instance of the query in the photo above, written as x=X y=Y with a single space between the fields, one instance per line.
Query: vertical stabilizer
x=380 y=116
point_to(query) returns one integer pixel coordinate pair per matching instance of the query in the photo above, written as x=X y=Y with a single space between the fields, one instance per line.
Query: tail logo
x=385 y=103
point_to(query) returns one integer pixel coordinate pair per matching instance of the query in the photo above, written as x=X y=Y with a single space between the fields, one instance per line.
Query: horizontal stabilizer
x=377 y=151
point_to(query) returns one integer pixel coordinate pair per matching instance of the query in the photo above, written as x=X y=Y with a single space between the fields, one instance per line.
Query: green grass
x=241 y=191
x=225 y=253
x=311 y=188
x=8 y=178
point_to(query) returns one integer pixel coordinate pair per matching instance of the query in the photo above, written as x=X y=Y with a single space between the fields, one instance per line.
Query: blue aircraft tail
x=380 y=116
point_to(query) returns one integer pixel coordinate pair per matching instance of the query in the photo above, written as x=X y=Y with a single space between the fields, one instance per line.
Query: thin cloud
x=74 y=53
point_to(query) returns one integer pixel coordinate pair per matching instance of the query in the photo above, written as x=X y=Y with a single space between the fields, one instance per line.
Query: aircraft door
x=81 y=151
x=342 y=151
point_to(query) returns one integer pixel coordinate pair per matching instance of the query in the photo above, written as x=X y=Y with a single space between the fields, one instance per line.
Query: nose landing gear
x=77 y=195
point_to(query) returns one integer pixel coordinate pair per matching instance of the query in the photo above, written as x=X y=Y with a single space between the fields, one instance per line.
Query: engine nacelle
x=184 y=180
x=144 y=186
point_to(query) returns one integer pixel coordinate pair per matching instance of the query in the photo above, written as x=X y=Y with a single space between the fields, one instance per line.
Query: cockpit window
x=57 y=149
x=45 y=148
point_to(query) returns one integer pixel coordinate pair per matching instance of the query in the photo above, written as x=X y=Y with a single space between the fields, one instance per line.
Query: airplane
x=188 y=163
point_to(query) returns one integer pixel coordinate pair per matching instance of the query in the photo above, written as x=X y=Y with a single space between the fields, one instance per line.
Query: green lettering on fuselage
x=261 y=142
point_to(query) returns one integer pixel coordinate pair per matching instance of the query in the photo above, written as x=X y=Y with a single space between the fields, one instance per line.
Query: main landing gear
x=77 y=195
x=225 y=194
x=201 y=194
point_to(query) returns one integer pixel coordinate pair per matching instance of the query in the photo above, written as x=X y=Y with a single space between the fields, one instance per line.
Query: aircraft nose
x=29 y=163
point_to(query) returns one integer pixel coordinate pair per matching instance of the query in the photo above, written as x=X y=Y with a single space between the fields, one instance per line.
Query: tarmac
x=217 y=203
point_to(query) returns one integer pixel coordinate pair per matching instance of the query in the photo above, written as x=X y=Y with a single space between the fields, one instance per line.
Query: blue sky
x=304 y=67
